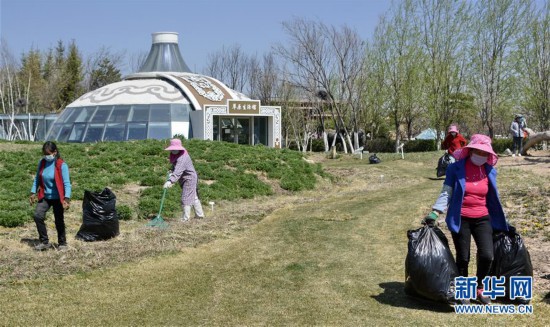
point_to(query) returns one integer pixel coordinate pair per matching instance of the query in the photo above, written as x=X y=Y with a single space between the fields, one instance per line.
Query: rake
x=158 y=221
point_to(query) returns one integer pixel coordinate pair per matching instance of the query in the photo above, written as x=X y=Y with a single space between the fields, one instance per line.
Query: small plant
x=124 y=212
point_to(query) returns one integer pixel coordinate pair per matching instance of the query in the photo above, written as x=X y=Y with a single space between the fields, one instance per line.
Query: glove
x=430 y=219
x=167 y=185
x=32 y=199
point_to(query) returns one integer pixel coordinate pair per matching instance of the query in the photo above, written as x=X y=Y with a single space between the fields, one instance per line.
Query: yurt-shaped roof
x=153 y=103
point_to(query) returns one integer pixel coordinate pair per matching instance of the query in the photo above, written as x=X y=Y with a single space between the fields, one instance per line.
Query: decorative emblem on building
x=205 y=88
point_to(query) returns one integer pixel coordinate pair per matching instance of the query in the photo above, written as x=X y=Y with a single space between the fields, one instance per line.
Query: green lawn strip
x=339 y=261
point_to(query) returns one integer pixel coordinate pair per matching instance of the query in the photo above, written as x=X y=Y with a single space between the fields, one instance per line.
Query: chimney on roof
x=164 y=55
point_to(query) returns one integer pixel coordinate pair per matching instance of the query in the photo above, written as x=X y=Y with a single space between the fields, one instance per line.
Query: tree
x=397 y=40
x=533 y=68
x=496 y=24
x=72 y=77
x=323 y=58
x=231 y=66
x=443 y=43
x=105 y=73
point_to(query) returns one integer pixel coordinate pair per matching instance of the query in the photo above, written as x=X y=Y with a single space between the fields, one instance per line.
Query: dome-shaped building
x=165 y=99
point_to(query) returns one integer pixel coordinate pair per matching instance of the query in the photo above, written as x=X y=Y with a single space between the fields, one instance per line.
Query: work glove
x=32 y=199
x=430 y=219
x=66 y=203
x=168 y=184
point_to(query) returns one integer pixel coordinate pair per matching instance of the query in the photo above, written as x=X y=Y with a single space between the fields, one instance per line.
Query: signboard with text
x=244 y=107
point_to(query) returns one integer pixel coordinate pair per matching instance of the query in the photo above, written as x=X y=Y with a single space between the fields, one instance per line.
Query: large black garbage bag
x=99 y=217
x=373 y=159
x=511 y=257
x=442 y=164
x=430 y=268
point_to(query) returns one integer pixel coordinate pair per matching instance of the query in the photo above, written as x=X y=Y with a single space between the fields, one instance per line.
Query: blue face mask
x=50 y=157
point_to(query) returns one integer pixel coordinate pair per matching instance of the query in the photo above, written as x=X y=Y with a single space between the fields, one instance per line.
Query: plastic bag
x=511 y=257
x=374 y=159
x=99 y=217
x=430 y=268
x=442 y=164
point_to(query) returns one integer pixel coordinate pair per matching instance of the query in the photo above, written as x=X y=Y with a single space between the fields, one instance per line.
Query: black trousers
x=40 y=217
x=517 y=145
x=482 y=231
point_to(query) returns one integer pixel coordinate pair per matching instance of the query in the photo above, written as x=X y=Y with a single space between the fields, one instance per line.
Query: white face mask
x=50 y=157
x=453 y=134
x=175 y=151
x=477 y=159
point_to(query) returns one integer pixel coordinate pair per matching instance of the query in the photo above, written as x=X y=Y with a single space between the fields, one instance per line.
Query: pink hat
x=480 y=142
x=453 y=129
x=175 y=144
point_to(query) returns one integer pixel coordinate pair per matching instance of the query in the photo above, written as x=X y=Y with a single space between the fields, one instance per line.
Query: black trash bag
x=430 y=268
x=510 y=257
x=442 y=164
x=99 y=217
x=374 y=159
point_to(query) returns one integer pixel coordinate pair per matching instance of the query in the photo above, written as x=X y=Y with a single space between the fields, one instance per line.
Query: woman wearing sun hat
x=453 y=141
x=184 y=172
x=470 y=198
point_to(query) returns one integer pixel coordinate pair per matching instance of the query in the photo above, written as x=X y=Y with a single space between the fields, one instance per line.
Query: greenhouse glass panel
x=72 y=115
x=102 y=114
x=52 y=135
x=114 y=132
x=94 y=133
x=78 y=131
x=180 y=112
x=120 y=114
x=66 y=113
x=160 y=113
x=159 y=131
x=139 y=113
x=137 y=131
x=85 y=114
x=64 y=133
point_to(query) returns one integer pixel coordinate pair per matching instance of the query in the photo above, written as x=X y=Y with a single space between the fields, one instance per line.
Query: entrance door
x=235 y=129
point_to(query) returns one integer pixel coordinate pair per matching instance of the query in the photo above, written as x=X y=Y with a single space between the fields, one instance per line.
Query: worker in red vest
x=53 y=186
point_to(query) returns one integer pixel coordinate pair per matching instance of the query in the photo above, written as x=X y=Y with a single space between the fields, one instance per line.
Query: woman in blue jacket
x=51 y=188
x=470 y=198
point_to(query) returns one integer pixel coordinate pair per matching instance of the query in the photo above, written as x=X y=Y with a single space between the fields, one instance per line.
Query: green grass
x=332 y=256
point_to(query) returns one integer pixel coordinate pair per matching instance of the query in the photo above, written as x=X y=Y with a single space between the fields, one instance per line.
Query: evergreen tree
x=105 y=73
x=31 y=80
x=72 y=77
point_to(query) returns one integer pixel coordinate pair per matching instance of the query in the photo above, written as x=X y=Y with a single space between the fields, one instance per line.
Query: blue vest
x=456 y=178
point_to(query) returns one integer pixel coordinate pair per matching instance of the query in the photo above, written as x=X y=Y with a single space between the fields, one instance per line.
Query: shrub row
x=232 y=171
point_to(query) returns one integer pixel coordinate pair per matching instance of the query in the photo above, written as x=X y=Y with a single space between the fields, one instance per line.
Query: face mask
x=175 y=151
x=453 y=134
x=478 y=160
x=49 y=157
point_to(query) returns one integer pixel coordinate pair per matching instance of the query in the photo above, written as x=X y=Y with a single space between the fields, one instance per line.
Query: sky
x=204 y=27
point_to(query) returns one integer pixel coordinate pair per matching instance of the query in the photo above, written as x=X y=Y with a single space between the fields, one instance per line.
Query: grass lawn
x=329 y=256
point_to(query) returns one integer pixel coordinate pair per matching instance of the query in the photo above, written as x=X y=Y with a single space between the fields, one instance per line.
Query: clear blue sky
x=203 y=26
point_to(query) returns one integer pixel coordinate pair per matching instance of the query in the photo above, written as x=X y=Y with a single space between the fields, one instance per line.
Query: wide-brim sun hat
x=175 y=144
x=479 y=142
x=453 y=129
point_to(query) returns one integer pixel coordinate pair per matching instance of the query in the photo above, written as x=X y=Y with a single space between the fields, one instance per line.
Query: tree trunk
x=534 y=138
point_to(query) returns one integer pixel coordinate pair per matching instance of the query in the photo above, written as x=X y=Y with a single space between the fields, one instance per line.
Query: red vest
x=58 y=178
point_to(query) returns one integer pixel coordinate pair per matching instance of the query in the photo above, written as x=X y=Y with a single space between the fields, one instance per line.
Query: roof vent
x=164 y=55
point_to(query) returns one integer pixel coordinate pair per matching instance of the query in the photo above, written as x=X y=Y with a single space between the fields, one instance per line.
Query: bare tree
x=231 y=66
x=327 y=59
